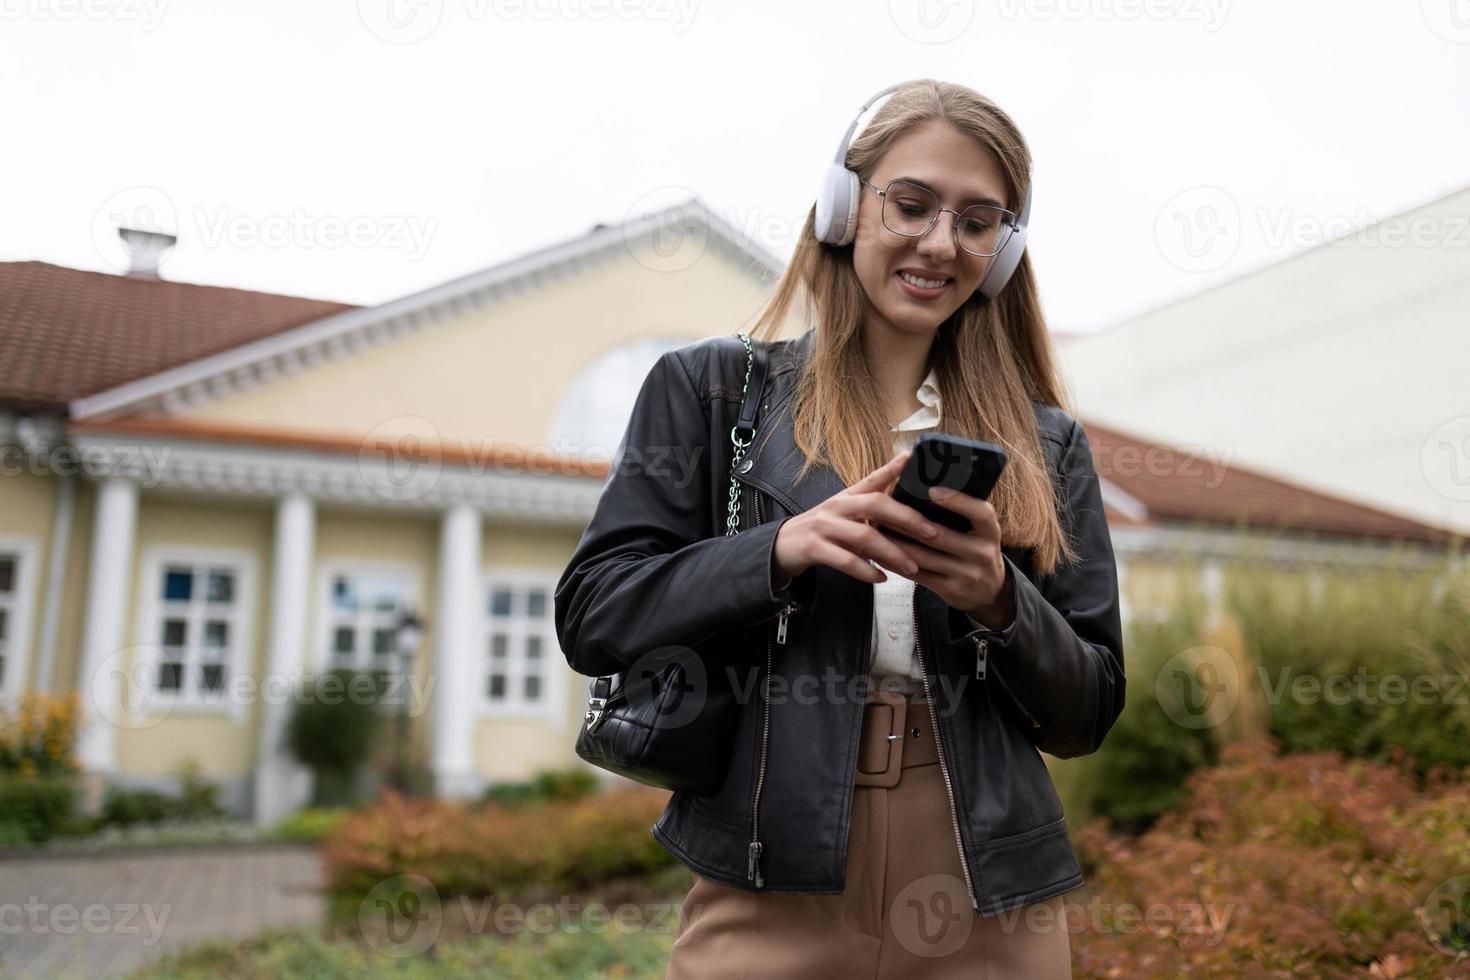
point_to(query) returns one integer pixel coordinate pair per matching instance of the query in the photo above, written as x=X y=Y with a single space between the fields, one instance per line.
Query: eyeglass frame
x=1010 y=220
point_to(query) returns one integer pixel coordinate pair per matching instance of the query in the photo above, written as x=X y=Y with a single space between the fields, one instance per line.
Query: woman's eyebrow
x=967 y=201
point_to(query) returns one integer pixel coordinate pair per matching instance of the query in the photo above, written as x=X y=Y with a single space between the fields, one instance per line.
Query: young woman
x=904 y=825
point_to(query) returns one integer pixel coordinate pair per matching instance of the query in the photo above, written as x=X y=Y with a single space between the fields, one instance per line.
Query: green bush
x=310 y=824
x=125 y=807
x=550 y=784
x=38 y=806
x=334 y=725
x=198 y=798
x=1391 y=622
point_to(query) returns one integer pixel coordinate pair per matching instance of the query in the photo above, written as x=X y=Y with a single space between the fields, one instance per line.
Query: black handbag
x=672 y=724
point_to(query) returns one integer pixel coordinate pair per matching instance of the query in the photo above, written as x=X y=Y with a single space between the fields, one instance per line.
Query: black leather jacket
x=654 y=569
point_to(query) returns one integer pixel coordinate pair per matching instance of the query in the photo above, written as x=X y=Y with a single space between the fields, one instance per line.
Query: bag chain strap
x=732 y=518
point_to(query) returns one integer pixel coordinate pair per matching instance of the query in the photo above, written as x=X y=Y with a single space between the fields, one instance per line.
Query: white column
x=282 y=784
x=457 y=676
x=114 y=522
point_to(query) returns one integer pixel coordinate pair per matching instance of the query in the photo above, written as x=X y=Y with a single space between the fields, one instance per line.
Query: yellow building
x=210 y=494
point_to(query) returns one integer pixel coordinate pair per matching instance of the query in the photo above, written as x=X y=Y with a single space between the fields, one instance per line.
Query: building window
x=195 y=625
x=9 y=600
x=521 y=676
x=361 y=612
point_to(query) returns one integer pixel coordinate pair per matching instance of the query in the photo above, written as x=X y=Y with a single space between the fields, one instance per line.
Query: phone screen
x=940 y=460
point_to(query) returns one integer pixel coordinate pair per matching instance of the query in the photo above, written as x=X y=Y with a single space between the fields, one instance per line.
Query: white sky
x=256 y=129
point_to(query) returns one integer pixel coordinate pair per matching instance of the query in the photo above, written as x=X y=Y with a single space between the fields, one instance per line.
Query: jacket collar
x=772 y=463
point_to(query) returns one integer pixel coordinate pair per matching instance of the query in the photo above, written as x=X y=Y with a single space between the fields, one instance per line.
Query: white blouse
x=894 y=656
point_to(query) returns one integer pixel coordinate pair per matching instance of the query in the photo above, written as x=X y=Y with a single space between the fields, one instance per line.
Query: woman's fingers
x=882 y=476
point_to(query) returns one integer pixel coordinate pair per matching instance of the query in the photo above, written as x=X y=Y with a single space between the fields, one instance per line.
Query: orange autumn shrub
x=489 y=849
x=1296 y=865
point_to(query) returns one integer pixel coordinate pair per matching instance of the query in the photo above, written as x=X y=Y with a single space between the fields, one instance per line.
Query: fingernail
x=929 y=530
x=940 y=493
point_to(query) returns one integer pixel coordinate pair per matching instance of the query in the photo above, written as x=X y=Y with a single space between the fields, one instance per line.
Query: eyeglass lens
x=910 y=210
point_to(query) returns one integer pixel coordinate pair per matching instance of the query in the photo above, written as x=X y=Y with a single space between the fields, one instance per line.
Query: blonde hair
x=991 y=358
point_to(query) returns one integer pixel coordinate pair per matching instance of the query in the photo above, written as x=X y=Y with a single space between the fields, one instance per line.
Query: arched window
x=594 y=411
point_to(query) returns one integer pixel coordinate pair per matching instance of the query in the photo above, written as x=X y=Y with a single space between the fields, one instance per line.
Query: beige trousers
x=906 y=910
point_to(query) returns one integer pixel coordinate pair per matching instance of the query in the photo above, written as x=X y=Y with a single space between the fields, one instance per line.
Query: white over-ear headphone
x=837 y=211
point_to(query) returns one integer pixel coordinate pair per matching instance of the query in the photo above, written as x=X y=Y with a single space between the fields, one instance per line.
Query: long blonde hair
x=991 y=358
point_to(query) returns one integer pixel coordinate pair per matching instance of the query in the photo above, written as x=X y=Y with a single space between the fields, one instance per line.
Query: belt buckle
x=898 y=705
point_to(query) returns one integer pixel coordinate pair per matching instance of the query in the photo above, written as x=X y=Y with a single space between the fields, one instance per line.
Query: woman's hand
x=839 y=531
x=966 y=569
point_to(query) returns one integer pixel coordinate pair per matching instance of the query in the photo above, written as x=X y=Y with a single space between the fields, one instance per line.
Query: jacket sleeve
x=1061 y=657
x=651 y=569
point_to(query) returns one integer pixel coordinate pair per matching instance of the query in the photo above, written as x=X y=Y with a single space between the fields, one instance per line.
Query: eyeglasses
x=911 y=210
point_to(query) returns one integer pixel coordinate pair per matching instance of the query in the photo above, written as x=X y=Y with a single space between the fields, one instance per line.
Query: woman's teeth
x=923 y=283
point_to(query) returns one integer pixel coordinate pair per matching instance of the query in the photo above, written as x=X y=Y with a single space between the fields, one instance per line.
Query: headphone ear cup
x=837 y=206
x=1008 y=259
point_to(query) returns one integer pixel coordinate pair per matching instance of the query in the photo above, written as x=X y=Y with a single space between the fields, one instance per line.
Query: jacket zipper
x=954 y=813
x=753 y=853
x=982 y=652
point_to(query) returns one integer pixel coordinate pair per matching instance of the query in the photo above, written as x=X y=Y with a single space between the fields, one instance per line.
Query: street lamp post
x=408 y=634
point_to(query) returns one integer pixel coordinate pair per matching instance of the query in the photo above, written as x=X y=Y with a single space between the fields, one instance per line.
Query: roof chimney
x=145 y=251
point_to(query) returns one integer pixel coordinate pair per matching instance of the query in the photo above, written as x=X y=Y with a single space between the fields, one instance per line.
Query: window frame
x=152 y=611
x=18 y=625
x=552 y=705
x=329 y=568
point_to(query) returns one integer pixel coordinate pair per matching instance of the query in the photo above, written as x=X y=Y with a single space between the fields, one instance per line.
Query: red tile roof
x=1191 y=484
x=65 y=333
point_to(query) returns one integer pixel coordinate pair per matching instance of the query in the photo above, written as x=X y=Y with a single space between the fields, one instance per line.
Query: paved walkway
x=93 y=916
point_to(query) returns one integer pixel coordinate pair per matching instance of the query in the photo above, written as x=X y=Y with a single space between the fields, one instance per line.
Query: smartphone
x=940 y=460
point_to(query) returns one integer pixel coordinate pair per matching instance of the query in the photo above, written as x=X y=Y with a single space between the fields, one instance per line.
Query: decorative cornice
x=370 y=478
x=346 y=334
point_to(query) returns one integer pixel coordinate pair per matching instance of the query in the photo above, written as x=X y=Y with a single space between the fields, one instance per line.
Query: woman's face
x=957 y=169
